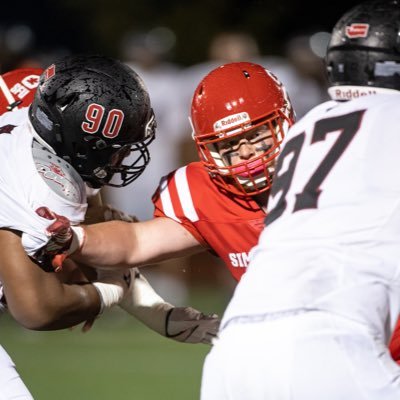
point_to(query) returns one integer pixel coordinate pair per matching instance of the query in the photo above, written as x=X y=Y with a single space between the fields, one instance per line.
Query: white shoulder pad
x=60 y=176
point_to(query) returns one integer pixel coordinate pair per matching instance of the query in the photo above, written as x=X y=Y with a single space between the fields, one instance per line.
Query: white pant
x=308 y=356
x=11 y=385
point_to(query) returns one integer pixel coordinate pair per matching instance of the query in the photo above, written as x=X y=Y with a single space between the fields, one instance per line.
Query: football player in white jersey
x=88 y=114
x=312 y=317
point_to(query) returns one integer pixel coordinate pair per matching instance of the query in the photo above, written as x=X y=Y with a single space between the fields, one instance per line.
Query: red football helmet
x=18 y=87
x=230 y=101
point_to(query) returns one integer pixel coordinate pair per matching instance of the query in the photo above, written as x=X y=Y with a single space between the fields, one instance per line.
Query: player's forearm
x=108 y=244
x=54 y=306
x=37 y=299
x=134 y=244
x=67 y=305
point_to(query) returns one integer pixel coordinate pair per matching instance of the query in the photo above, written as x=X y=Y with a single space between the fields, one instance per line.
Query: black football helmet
x=364 y=49
x=94 y=112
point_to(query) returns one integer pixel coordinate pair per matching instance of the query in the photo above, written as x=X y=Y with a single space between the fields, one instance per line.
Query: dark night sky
x=97 y=25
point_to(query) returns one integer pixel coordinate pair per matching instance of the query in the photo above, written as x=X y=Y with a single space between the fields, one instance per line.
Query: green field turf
x=118 y=359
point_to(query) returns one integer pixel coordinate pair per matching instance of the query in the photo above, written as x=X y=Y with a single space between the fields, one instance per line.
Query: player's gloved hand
x=63 y=240
x=96 y=214
x=184 y=324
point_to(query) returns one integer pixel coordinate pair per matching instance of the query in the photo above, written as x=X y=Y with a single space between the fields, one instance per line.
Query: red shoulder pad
x=18 y=87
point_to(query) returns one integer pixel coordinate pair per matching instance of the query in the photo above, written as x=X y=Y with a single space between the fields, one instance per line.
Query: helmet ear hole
x=101 y=144
x=64 y=102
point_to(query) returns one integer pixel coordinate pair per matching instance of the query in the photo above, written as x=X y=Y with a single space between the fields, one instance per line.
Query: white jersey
x=32 y=177
x=332 y=235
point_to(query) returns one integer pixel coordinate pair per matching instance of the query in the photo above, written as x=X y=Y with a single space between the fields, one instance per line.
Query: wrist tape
x=109 y=293
x=78 y=239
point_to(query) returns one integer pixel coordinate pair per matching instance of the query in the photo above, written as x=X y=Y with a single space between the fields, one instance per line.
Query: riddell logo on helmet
x=352 y=93
x=231 y=121
x=354 y=31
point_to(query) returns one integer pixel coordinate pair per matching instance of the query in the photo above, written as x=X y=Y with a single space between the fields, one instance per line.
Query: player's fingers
x=87 y=326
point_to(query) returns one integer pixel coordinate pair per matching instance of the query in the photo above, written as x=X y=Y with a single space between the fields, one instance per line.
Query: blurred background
x=172 y=44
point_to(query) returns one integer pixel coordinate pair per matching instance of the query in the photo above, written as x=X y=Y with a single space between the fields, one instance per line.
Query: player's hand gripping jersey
x=333 y=227
x=31 y=177
x=227 y=225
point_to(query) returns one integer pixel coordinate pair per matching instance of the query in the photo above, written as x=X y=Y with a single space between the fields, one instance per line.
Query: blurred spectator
x=224 y=47
x=147 y=53
x=16 y=42
x=233 y=46
x=306 y=52
x=19 y=49
x=298 y=71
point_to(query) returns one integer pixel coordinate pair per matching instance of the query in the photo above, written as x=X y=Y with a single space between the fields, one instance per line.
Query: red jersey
x=228 y=225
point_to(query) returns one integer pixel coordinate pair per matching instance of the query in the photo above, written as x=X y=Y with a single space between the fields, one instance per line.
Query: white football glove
x=183 y=324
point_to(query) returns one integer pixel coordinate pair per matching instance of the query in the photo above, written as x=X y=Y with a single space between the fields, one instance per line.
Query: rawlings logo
x=357 y=31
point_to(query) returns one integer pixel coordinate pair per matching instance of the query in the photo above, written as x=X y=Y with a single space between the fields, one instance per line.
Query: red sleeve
x=169 y=203
x=19 y=86
x=394 y=345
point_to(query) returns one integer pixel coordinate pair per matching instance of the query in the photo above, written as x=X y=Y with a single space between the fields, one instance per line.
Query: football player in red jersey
x=240 y=113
